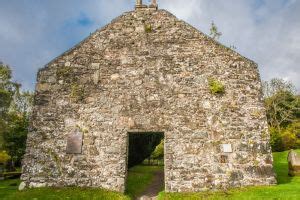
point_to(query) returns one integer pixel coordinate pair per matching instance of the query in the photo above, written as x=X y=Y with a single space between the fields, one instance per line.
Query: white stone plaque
x=226 y=148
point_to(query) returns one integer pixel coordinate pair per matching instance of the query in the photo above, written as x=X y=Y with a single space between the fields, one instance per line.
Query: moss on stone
x=215 y=86
x=63 y=73
x=82 y=129
x=148 y=28
x=56 y=159
x=77 y=93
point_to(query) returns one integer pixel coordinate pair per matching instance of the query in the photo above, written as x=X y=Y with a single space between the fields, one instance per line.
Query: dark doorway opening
x=145 y=164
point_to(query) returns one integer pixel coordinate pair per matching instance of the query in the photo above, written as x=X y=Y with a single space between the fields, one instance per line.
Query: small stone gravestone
x=74 y=143
x=294 y=163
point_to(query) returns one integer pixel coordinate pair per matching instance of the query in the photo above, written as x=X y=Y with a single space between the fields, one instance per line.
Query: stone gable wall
x=149 y=71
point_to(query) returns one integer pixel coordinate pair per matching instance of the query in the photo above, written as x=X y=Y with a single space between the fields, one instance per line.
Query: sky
x=33 y=32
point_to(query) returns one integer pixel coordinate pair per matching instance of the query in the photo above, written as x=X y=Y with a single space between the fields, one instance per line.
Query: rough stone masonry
x=147 y=71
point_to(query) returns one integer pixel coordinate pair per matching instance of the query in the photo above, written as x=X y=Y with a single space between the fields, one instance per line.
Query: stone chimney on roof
x=153 y=4
x=139 y=4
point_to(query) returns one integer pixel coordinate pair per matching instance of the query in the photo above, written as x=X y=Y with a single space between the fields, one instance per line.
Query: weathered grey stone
x=37 y=185
x=115 y=77
x=22 y=186
x=126 y=77
x=294 y=163
x=67 y=64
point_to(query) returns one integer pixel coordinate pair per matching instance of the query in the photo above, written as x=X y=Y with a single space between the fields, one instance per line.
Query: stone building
x=148 y=71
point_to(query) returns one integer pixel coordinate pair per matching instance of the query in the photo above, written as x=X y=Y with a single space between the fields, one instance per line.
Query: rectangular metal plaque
x=74 y=143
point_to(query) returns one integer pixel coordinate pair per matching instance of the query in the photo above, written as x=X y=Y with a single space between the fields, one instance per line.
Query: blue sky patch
x=84 y=20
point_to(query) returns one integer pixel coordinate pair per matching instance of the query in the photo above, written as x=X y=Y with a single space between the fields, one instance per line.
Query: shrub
x=291 y=136
x=216 y=87
x=4 y=157
x=286 y=139
x=276 y=140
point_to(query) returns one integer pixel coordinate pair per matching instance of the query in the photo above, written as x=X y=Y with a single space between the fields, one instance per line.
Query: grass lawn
x=287 y=188
x=8 y=187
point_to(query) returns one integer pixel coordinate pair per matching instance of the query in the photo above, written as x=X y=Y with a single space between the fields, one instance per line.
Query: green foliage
x=4 y=157
x=276 y=140
x=283 y=113
x=148 y=28
x=15 y=136
x=158 y=153
x=7 y=89
x=5 y=100
x=287 y=138
x=216 y=87
x=15 y=108
x=282 y=109
x=5 y=72
x=291 y=136
x=214 y=32
x=8 y=187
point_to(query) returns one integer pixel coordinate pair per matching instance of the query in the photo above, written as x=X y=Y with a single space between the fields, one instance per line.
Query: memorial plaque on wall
x=74 y=143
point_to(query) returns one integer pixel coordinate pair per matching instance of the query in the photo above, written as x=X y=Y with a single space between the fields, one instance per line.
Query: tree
x=277 y=85
x=283 y=113
x=7 y=89
x=22 y=103
x=15 y=137
x=214 y=33
x=15 y=108
x=281 y=103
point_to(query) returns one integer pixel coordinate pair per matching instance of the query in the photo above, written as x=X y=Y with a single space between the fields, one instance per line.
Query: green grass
x=8 y=187
x=287 y=188
x=139 y=178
